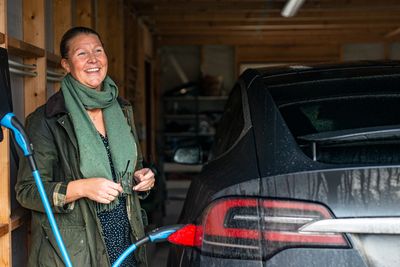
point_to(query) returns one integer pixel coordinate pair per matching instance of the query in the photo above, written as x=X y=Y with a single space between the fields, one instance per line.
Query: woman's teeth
x=93 y=70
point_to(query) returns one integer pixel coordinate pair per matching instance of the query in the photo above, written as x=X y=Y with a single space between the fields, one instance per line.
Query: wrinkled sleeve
x=46 y=157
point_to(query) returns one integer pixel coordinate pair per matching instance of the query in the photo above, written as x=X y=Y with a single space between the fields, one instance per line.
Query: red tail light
x=259 y=228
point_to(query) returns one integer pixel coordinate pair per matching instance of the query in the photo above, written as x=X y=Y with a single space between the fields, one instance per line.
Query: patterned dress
x=115 y=224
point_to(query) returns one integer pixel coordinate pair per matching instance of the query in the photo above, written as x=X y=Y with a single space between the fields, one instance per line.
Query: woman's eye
x=82 y=54
x=98 y=51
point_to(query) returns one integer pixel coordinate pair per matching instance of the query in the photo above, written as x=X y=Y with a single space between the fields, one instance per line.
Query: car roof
x=335 y=69
x=298 y=82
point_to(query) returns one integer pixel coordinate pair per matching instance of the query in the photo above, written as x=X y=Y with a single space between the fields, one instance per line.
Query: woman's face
x=87 y=60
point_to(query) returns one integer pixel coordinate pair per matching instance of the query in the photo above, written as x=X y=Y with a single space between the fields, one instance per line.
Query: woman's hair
x=70 y=34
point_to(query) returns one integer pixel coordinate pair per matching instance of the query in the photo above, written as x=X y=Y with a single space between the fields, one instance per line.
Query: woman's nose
x=92 y=57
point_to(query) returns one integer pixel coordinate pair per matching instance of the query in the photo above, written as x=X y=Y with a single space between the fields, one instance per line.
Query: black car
x=305 y=171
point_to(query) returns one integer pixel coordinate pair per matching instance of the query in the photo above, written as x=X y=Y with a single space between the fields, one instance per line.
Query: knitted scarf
x=94 y=160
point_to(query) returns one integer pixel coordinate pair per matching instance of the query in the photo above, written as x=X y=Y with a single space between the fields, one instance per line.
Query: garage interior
x=158 y=47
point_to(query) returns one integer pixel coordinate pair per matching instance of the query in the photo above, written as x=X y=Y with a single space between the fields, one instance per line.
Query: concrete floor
x=158 y=253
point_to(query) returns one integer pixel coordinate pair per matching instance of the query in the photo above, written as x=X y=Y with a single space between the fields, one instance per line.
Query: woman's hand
x=97 y=189
x=145 y=179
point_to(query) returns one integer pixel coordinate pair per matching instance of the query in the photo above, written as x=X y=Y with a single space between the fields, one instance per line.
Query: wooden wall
x=128 y=44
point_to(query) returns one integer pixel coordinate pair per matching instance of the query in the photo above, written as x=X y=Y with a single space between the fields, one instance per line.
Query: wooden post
x=5 y=211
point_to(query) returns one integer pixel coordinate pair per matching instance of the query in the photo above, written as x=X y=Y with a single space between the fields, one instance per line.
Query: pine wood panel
x=5 y=212
x=62 y=21
x=84 y=13
x=287 y=53
x=34 y=33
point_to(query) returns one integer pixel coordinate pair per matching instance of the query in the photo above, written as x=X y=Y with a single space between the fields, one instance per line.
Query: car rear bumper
x=303 y=257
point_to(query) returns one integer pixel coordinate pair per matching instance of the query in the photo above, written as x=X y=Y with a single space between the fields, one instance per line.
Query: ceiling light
x=291 y=8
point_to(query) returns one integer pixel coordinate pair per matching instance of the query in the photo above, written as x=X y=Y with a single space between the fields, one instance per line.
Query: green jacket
x=52 y=135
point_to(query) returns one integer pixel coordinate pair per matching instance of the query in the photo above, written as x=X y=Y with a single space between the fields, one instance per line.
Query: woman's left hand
x=145 y=179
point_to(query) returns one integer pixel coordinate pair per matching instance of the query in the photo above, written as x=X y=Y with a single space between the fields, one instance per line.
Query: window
x=228 y=132
x=352 y=114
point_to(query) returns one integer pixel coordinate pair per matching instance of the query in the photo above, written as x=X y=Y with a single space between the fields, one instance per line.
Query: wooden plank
x=278 y=25
x=147 y=42
x=131 y=52
x=62 y=21
x=35 y=87
x=287 y=53
x=19 y=217
x=260 y=38
x=5 y=212
x=34 y=33
x=278 y=33
x=23 y=49
x=263 y=16
x=33 y=15
x=147 y=8
x=4 y=229
x=84 y=15
x=3 y=18
x=111 y=26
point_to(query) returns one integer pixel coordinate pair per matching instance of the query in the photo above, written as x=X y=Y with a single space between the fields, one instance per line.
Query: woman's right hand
x=97 y=189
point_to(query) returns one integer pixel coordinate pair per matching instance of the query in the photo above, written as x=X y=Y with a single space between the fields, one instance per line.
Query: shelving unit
x=189 y=121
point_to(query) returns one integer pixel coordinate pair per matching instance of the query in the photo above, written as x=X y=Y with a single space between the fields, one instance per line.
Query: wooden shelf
x=19 y=217
x=4 y=229
x=23 y=49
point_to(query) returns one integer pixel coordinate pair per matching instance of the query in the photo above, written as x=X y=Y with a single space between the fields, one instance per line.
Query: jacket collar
x=55 y=105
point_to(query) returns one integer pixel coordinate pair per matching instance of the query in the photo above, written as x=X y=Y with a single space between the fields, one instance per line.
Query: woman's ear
x=65 y=65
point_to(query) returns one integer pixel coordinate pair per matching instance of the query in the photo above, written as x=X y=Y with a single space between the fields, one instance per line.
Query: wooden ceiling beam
x=146 y=8
x=267 y=17
x=265 y=39
x=310 y=33
x=243 y=25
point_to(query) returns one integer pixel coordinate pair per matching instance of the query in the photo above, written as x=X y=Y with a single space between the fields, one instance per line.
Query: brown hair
x=71 y=33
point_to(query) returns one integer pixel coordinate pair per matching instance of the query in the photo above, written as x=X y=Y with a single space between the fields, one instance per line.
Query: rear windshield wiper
x=352 y=136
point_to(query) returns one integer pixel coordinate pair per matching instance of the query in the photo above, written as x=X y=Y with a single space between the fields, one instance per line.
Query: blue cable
x=157 y=235
x=52 y=221
x=10 y=121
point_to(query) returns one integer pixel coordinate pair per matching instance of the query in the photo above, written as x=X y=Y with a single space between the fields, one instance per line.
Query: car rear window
x=336 y=114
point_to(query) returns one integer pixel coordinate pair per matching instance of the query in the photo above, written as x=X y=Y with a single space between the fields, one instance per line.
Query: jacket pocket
x=74 y=238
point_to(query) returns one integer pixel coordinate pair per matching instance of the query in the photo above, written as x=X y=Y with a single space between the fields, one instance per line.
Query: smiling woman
x=89 y=155
x=86 y=60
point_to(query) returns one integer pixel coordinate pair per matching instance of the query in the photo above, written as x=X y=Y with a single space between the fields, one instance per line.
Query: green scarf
x=94 y=161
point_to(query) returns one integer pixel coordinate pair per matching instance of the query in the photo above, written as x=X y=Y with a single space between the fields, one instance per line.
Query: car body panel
x=266 y=162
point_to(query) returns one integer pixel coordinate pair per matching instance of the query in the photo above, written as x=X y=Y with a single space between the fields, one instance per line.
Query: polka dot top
x=115 y=224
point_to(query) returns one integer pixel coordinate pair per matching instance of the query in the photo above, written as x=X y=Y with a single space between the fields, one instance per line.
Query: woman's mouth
x=93 y=70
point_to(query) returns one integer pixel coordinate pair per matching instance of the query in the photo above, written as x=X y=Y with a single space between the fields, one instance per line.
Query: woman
x=87 y=152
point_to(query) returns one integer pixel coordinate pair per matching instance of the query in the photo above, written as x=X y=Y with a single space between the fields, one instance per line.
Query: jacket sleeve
x=46 y=158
